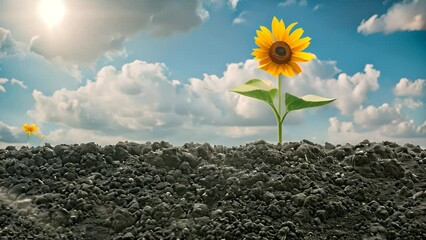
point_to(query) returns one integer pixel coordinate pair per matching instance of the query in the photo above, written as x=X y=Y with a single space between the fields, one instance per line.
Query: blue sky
x=109 y=71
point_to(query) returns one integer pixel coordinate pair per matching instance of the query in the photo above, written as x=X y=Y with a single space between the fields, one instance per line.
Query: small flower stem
x=279 y=93
x=280 y=128
x=28 y=138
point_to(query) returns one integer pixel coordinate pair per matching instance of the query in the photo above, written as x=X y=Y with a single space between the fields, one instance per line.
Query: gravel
x=297 y=190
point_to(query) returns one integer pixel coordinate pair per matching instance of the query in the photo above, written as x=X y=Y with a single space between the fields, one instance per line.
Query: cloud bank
x=91 y=29
x=141 y=98
x=408 y=15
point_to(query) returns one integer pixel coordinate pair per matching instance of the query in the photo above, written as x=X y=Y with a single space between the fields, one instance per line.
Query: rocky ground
x=297 y=190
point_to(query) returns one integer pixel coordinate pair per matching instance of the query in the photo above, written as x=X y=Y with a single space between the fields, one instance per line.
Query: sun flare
x=52 y=12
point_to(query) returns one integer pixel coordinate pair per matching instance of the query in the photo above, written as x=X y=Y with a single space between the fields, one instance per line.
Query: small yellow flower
x=280 y=50
x=30 y=129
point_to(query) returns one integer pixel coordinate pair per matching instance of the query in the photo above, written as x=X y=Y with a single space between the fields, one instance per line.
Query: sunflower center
x=280 y=52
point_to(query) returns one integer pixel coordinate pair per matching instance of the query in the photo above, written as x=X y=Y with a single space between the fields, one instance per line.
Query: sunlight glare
x=52 y=12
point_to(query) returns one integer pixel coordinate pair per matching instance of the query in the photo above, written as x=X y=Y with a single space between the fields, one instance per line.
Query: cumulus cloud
x=378 y=123
x=8 y=45
x=293 y=2
x=91 y=29
x=141 y=98
x=344 y=132
x=408 y=102
x=351 y=91
x=408 y=15
x=372 y=116
x=398 y=131
x=401 y=129
x=405 y=87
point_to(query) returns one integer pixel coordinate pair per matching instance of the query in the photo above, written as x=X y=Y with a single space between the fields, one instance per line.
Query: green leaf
x=307 y=101
x=258 y=89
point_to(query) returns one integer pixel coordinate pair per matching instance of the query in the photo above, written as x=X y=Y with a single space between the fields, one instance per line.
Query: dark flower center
x=280 y=52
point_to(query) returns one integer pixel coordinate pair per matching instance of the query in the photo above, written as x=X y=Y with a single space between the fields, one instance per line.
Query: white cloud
x=317 y=7
x=13 y=81
x=233 y=4
x=404 y=129
x=408 y=15
x=141 y=98
x=293 y=2
x=372 y=116
x=344 y=132
x=19 y=83
x=8 y=45
x=351 y=91
x=240 y=19
x=75 y=135
x=378 y=123
x=152 y=100
x=398 y=131
x=91 y=29
x=11 y=134
x=408 y=102
x=3 y=81
x=70 y=68
x=405 y=87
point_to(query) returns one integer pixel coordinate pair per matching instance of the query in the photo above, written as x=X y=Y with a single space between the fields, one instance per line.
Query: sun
x=52 y=12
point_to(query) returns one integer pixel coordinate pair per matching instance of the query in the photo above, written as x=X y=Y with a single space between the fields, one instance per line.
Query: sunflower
x=30 y=129
x=279 y=50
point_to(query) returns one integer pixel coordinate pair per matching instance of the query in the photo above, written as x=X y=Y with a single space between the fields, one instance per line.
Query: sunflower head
x=30 y=129
x=279 y=50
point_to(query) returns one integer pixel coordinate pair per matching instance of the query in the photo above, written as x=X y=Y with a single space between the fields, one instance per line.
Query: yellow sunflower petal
x=295 y=35
x=260 y=52
x=285 y=71
x=282 y=32
x=282 y=70
x=264 y=61
x=300 y=41
x=273 y=69
x=258 y=56
x=277 y=28
x=289 y=69
x=267 y=35
x=300 y=47
x=287 y=31
x=277 y=70
x=295 y=67
x=261 y=43
x=267 y=67
x=302 y=56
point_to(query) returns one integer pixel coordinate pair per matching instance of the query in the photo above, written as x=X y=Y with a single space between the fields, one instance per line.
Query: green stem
x=285 y=115
x=279 y=93
x=28 y=138
x=280 y=128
